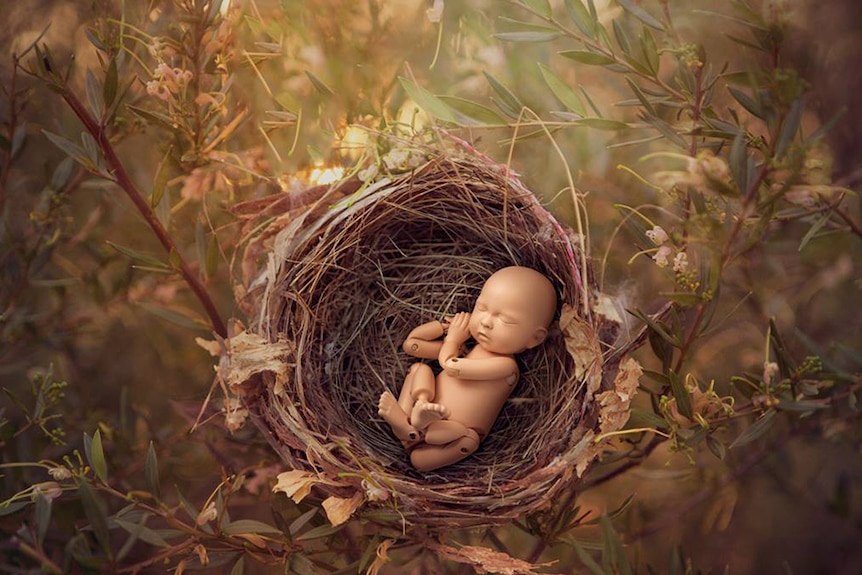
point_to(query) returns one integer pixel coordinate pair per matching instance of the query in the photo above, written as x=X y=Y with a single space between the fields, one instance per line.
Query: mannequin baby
x=442 y=420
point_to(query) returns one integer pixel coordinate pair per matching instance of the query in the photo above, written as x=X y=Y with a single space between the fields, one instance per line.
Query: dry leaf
x=485 y=560
x=382 y=557
x=295 y=483
x=339 y=509
x=583 y=345
x=213 y=347
x=615 y=412
x=250 y=354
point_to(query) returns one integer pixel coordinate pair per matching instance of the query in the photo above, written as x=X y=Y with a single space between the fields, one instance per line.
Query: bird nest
x=335 y=278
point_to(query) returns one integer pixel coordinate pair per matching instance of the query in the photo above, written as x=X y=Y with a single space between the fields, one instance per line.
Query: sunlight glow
x=320 y=176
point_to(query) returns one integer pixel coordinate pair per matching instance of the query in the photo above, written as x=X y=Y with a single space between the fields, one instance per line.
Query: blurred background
x=275 y=89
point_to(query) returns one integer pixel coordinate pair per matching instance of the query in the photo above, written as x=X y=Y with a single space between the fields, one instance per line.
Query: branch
x=123 y=180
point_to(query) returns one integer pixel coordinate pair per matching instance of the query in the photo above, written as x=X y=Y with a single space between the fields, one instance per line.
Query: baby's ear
x=539 y=336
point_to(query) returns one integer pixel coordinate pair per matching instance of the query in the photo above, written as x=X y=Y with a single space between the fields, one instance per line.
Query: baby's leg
x=423 y=388
x=428 y=456
x=395 y=412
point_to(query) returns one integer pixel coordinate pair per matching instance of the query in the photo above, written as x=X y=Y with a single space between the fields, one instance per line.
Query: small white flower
x=770 y=368
x=59 y=473
x=207 y=514
x=680 y=262
x=396 y=158
x=48 y=489
x=373 y=492
x=368 y=173
x=661 y=256
x=657 y=235
x=435 y=13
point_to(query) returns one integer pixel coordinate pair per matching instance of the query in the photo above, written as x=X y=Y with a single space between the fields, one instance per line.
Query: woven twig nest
x=333 y=287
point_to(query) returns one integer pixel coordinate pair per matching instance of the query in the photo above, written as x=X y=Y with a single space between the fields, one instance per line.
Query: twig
x=123 y=180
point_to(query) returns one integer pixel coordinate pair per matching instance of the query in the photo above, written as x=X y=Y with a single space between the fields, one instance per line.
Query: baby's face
x=503 y=320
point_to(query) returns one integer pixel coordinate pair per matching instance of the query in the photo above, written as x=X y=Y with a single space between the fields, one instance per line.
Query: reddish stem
x=125 y=182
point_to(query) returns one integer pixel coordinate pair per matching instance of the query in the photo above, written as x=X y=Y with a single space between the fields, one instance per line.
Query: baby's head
x=513 y=311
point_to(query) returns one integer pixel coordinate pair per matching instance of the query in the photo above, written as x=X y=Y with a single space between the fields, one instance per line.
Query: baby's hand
x=459 y=328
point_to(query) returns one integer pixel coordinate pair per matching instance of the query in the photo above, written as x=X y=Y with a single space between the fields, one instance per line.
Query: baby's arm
x=502 y=367
x=421 y=341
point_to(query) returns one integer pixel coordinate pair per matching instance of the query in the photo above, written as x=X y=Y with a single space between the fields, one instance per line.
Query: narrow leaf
x=109 y=90
x=508 y=102
x=18 y=139
x=641 y=14
x=739 y=162
x=182 y=318
x=561 y=90
x=43 y=518
x=151 y=471
x=160 y=182
x=97 y=457
x=587 y=57
x=527 y=36
x=95 y=511
x=428 y=101
x=482 y=115
x=541 y=7
x=582 y=17
x=250 y=526
x=71 y=148
x=142 y=532
x=757 y=430
x=812 y=232
x=747 y=102
x=681 y=394
x=142 y=257
x=789 y=127
x=94 y=96
x=319 y=85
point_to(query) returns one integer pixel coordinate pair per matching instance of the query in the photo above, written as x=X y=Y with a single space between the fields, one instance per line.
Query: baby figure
x=442 y=420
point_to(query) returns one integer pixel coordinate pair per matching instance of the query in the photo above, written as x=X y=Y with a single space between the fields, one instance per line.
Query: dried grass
x=345 y=278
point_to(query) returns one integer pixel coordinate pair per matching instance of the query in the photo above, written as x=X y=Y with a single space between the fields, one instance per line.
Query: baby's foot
x=425 y=413
x=390 y=411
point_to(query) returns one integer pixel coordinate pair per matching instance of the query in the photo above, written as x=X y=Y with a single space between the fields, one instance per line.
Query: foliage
x=725 y=206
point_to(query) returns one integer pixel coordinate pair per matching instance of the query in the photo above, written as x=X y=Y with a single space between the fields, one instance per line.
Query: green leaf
x=13 y=507
x=613 y=555
x=433 y=105
x=160 y=182
x=319 y=85
x=527 y=36
x=757 y=430
x=324 y=530
x=109 y=90
x=561 y=90
x=587 y=57
x=739 y=162
x=642 y=97
x=94 y=96
x=641 y=14
x=482 y=115
x=18 y=139
x=153 y=117
x=602 y=124
x=812 y=232
x=239 y=566
x=748 y=102
x=587 y=560
x=94 y=509
x=250 y=526
x=142 y=532
x=212 y=257
x=62 y=174
x=583 y=19
x=681 y=394
x=641 y=418
x=790 y=127
x=801 y=406
x=43 y=518
x=181 y=317
x=508 y=102
x=685 y=299
x=97 y=457
x=142 y=257
x=716 y=447
x=151 y=471
x=541 y=7
x=72 y=149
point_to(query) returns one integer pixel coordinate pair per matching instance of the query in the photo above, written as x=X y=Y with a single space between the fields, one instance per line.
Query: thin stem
x=125 y=182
